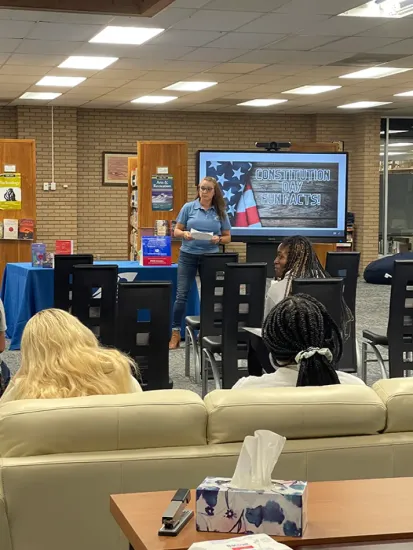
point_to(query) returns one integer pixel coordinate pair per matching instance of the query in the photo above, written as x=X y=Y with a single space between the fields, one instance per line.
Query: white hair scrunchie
x=310 y=352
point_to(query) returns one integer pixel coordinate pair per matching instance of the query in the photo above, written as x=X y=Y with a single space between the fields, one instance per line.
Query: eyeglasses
x=206 y=189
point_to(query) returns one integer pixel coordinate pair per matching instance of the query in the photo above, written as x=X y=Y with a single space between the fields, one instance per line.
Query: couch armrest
x=5 y=538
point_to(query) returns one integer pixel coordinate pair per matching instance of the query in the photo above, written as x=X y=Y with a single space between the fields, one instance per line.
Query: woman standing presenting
x=208 y=215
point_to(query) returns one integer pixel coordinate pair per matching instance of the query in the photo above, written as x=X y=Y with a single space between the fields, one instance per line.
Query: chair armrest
x=5 y=536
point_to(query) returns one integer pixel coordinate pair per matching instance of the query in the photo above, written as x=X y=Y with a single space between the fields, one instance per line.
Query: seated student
x=305 y=345
x=4 y=371
x=62 y=358
x=295 y=259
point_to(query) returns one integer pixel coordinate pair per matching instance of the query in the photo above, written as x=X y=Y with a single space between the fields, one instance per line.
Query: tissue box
x=279 y=511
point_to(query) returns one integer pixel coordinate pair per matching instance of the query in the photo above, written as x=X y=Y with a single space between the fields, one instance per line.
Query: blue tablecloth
x=26 y=290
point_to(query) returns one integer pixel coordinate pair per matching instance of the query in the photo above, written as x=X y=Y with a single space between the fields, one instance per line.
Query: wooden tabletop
x=339 y=512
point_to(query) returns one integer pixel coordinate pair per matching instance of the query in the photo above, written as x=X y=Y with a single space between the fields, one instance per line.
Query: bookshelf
x=133 y=226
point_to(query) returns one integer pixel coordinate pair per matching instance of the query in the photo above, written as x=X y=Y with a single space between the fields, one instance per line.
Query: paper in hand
x=201 y=235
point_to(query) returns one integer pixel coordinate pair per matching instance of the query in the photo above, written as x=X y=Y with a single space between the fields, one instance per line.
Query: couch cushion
x=153 y=419
x=296 y=413
x=397 y=395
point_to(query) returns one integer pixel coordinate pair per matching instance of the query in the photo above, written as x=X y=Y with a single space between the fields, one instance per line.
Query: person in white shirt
x=62 y=358
x=305 y=345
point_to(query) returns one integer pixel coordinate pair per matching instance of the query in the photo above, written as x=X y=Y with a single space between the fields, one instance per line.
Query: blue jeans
x=188 y=266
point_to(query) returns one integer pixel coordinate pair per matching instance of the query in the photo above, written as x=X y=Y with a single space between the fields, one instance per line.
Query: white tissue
x=259 y=455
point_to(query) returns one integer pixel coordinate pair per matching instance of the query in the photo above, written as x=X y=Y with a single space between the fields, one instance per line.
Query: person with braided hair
x=304 y=344
x=295 y=259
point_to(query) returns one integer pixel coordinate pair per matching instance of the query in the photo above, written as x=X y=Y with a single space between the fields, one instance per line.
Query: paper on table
x=201 y=235
x=256 y=331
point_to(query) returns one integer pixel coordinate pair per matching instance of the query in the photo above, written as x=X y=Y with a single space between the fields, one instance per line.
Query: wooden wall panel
x=151 y=155
x=21 y=153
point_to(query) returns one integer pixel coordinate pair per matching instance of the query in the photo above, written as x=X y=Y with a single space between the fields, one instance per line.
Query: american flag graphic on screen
x=234 y=180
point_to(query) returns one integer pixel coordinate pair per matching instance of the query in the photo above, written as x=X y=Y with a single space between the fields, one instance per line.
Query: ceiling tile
x=69 y=101
x=35 y=60
x=166 y=18
x=18 y=79
x=119 y=74
x=101 y=104
x=24 y=70
x=63 y=32
x=204 y=107
x=8 y=45
x=402 y=47
x=394 y=28
x=237 y=68
x=190 y=3
x=15 y=29
x=301 y=43
x=154 y=76
x=246 y=5
x=245 y=40
x=253 y=78
x=216 y=20
x=320 y=7
x=287 y=57
x=53 y=16
x=143 y=84
x=142 y=64
x=186 y=38
x=213 y=54
x=282 y=23
x=281 y=70
x=357 y=44
x=47 y=47
x=341 y=26
x=102 y=83
x=218 y=76
x=190 y=66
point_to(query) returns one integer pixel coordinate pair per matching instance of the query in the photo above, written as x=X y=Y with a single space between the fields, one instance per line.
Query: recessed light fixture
x=364 y=104
x=394 y=132
x=312 y=90
x=382 y=8
x=125 y=35
x=61 y=81
x=262 y=102
x=400 y=144
x=190 y=86
x=40 y=95
x=375 y=72
x=404 y=94
x=395 y=153
x=87 y=62
x=155 y=99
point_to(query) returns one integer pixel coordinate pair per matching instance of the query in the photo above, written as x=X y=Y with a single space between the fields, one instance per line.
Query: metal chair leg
x=363 y=367
x=379 y=358
x=187 y=353
x=209 y=359
x=359 y=358
x=204 y=372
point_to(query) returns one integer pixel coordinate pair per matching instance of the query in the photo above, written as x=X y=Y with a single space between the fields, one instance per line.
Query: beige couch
x=61 y=459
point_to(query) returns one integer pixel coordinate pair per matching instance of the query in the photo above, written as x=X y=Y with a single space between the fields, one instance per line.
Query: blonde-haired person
x=207 y=214
x=62 y=358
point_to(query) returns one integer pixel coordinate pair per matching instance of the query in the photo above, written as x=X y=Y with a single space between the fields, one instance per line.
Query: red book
x=26 y=229
x=64 y=247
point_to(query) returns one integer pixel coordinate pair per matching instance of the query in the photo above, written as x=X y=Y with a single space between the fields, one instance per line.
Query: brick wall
x=96 y=217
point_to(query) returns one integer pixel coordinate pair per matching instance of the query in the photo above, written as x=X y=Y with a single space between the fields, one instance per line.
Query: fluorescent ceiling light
x=155 y=99
x=400 y=144
x=312 y=90
x=125 y=35
x=39 y=95
x=382 y=8
x=404 y=94
x=61 y=81
x=263 y=102
x=87 y=62
x=375 y=72
x=395 y=153
x=364 y=104
x=190 y=86
x=394 y=132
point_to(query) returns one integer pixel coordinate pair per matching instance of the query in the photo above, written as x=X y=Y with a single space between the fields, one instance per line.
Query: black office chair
x=63 y=277
x=88 y=282
x=346 y=265
x=210 y=321
x=243 y=306
x=327 y=291
x=142 y=329
x=399 y=338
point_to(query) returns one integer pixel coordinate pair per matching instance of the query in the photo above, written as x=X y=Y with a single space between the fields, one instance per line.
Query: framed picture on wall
x=115 y=169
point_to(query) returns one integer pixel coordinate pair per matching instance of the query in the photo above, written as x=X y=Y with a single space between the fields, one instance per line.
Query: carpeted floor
x=372 y=313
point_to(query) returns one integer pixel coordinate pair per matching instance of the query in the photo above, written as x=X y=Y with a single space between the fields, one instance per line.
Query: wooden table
x=339 y=512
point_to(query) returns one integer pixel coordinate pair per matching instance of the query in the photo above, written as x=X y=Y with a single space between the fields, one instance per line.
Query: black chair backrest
x=346 y=265
x=244 y=296
x=63 y=277
x=400 y=325
x=212 y=273
x=96 y=285
x=143 y=329
x=327 y=291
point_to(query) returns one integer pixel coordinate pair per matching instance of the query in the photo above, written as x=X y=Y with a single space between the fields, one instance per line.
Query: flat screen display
x=270 y=196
